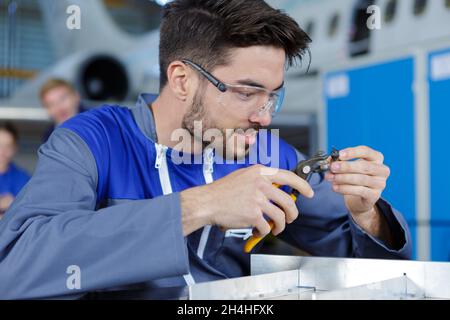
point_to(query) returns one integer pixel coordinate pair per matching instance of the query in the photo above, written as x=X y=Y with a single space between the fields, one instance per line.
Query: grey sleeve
x=53 y=225
x=325 y=227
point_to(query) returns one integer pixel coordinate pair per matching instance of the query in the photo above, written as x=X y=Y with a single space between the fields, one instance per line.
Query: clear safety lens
x=253 y=98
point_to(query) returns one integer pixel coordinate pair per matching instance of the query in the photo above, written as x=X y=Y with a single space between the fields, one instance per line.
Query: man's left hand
x=361 y=182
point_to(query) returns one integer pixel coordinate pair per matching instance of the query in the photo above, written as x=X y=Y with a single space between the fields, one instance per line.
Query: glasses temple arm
x=218 y=84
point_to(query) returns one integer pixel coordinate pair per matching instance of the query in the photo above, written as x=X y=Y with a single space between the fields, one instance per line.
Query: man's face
x=7 y=147
x=61 y=103
x=258 y=65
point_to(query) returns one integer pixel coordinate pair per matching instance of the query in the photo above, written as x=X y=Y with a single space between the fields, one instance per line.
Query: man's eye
x=246 y=95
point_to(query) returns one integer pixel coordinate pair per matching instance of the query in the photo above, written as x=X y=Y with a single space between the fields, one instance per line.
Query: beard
x=228 y=147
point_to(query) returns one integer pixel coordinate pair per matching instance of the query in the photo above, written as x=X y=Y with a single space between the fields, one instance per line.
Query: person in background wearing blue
x=12 y=178
x=61 y=101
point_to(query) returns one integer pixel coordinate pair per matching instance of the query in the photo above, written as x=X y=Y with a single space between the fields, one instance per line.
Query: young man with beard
x=111 y=196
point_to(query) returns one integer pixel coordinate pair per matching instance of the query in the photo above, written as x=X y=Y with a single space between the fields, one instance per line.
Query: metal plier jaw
x=321 y=162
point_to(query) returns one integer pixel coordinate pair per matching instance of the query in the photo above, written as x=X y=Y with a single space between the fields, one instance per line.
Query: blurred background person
x=61 y=101
x=12 y=178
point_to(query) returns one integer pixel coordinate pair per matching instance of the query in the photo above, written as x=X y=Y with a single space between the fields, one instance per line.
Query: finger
x=261 y=227
x=276 y=215
x=368 y=194
x=289 y=178
x=360 y=166
x=284 y=201
x=361 y=152
x=358 y=180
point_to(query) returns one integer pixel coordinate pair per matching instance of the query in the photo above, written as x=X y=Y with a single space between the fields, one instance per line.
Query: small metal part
x=334 y=154
x=319 y=163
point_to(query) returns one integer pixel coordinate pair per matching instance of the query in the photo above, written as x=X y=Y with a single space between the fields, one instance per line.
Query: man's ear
x=179 y=80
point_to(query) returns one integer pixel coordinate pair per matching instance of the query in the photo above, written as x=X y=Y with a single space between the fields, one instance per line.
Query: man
x=119 y=196
x=12 y=178
x=61 y=101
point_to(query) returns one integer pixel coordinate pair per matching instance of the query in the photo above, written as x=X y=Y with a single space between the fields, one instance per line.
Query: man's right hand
x=241 y=199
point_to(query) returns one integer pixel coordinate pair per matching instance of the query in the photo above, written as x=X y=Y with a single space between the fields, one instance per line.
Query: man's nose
x=263 y=118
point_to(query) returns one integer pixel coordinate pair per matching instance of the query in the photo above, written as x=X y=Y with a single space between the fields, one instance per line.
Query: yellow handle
x=253 y=241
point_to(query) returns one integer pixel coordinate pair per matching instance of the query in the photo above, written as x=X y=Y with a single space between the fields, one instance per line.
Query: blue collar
x=143 y=115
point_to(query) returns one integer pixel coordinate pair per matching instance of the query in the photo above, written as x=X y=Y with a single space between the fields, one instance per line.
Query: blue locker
x=439 y=99
x=374 y=105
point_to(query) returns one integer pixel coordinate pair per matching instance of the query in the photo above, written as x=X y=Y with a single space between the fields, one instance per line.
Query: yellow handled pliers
x=321 y=162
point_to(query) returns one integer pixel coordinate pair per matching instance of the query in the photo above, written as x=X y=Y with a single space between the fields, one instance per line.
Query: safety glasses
x=247 y=97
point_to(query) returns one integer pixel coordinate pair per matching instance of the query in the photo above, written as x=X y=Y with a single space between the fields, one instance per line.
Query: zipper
x=208 y=169
x=160 y=155
x=166 y=186
x=208 y=165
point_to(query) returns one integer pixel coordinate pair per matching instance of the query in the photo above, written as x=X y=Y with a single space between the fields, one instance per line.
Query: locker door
x=439 y=93
x=374 y=105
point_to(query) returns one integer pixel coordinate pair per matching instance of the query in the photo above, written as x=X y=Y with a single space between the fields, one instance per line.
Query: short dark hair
x=204 y=30
x=9 y=127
